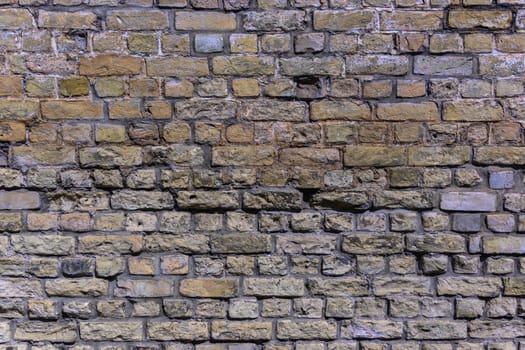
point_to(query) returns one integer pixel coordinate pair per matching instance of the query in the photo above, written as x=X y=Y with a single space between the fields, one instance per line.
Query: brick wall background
x=262 y=175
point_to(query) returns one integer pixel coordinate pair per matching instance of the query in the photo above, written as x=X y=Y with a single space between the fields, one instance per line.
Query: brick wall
x=262 y=175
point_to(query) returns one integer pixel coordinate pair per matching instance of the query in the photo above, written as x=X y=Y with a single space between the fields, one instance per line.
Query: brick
x=499 y=156
x=407 y=111
x=235 y=243
x=490 y=19
x=110 y=156
x=309 y=156
x=438 y=156
x=402 y=285
x=106 y=65
x=442 y=243
x=411 y=20
x=372 y=244
x=111 y=331
x=144 y=288
x=345 y=286
x=469 y=286
x=275 y=20
x=306 y=330
x=376 y=64
x=19 y=110
x=137 y=20
x=496 y=329
x=298 y=66
x=436 y=330
x=67 y=20
x=472 y=111
x=243 y=65
x=364 y=156
x=178 y=330
x=80 y=287
x=443 y=65
x=209 y=287
x=241 y=330
x=55 y=332
x=285 y=111
x=72 y=110
x=503 y=245
x=339 y=110
x=501 y=65
x=377 y=329
x=343 y=20
x=110 y=244
x=468 y=201
x=20 y=288
x=278 y=287
x=211 y=21
x=15 y=19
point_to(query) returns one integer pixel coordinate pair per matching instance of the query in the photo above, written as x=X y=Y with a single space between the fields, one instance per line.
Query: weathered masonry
x=262 y=175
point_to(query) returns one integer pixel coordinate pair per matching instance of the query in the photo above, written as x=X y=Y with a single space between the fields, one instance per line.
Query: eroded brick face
x=262 y=175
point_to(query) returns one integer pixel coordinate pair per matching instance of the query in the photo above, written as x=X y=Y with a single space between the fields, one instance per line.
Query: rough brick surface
x=262 y=175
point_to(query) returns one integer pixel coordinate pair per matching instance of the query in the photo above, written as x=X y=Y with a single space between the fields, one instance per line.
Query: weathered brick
x=235 y=243
x=402 y=285
x=212 y=21
x=411 y=20
x=15 y=19
x=111 y=331
x=241 y=330
x=20 y=288
x=243 y=155
x=376 y=64
x=72 y=110
x=472 y=111
x=436 y=330
x=339 y=110
x=496 y=329
x=272 y=200
x=177 y=66
x=152 y=288
x=345 y=286
x=379 y=156
x=438 y=156
x=442 y=243
x=243 y=65
x=503 y=245
x=18 y=110
x=372 y=244
x=501 y=65
x=67 y=20
x=178 y=330
x=343 y=20
x=137 y=20
x=277 y=287
x=499 y=155
x=275 y=20
x=407 y=111
x=468 y=201
x=105 y=65
x=443 y=65
x=309 y=156
x=110 y=156
x=55 y=332
x=306 y=330
x=110 y=244
x=209 y=287
x=490 y=19
x=469 y=286
x=298 y=66
x=376 y=329
x=80 y=287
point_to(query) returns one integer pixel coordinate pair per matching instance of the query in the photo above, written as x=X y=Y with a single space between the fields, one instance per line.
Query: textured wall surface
x=273 y=175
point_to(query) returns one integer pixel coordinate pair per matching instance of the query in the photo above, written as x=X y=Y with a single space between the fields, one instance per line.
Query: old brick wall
x=262 y=175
